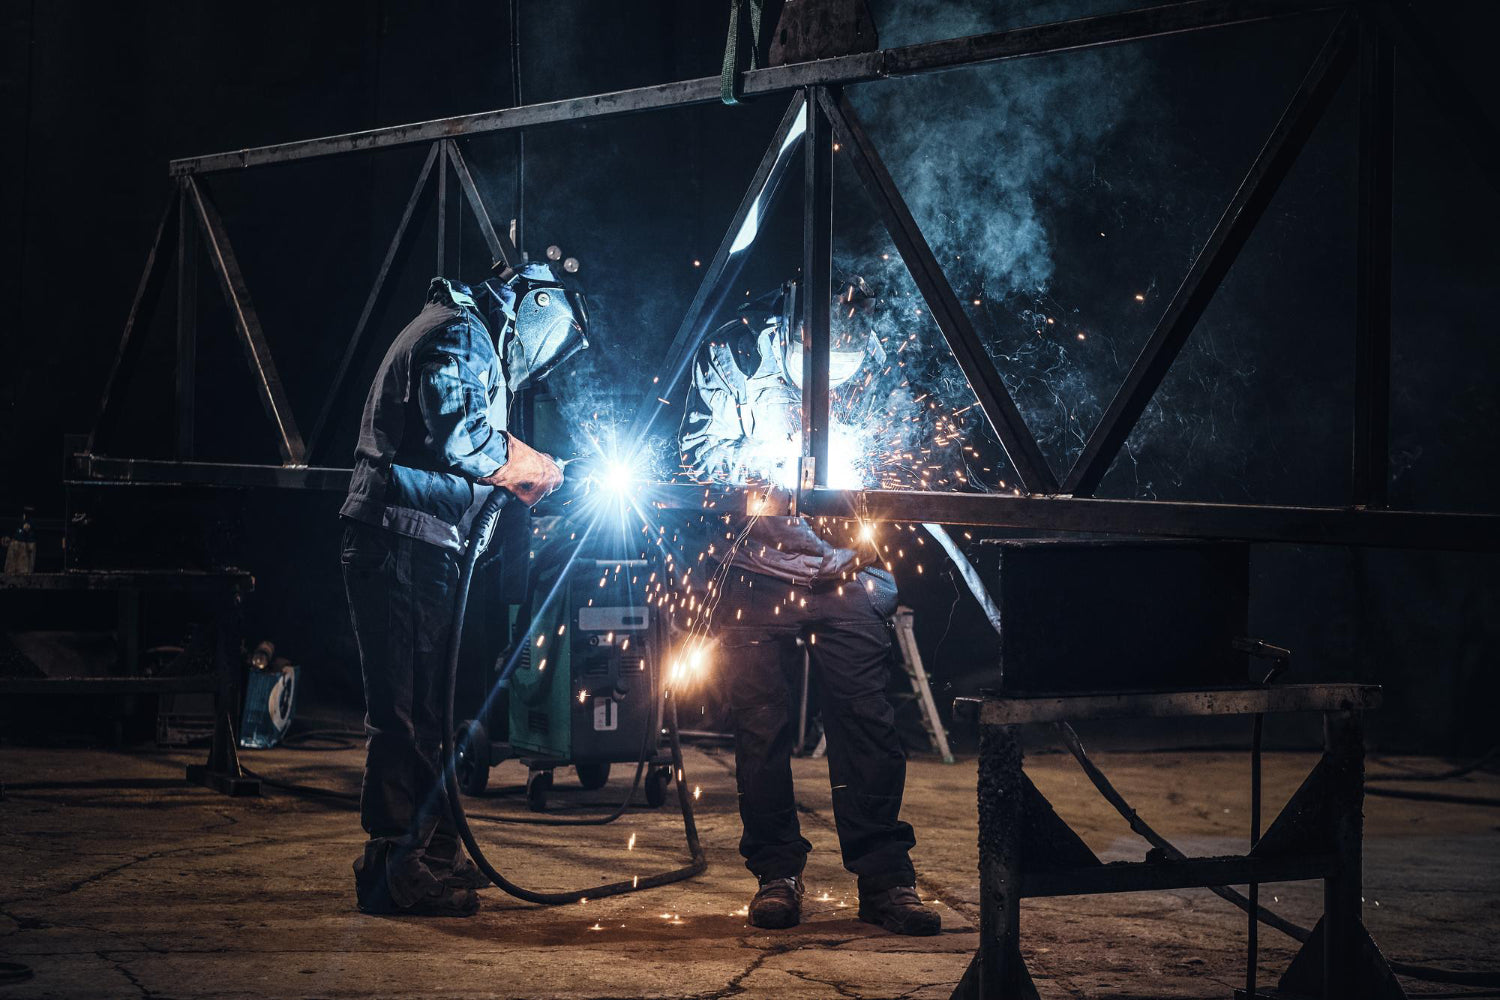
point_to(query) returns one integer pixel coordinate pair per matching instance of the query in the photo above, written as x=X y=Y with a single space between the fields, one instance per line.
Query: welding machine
x=583 y=685
x=585 y=691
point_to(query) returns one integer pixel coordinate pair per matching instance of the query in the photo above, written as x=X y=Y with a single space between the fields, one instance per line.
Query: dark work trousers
x=401 y=603
x=851 y=655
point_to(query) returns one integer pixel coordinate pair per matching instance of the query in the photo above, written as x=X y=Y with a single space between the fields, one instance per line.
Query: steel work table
x=1026 y=849
x=224 y=588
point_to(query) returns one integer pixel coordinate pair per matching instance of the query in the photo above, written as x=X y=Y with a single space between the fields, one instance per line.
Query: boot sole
x=469 y=883
x=777 y=924
x=416 y=912
x=896 y=928
x=428 y=910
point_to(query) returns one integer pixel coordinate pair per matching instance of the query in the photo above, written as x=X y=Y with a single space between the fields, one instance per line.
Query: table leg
x=1002 y=974
x=1343 y=737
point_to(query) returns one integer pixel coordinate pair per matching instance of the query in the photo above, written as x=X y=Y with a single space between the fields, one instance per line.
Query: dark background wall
x=1144 y=143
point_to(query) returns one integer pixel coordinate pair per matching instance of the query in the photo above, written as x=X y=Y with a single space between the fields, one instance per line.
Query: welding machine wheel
x=592 y=776
x=538 y=784
x=472 y=748
x=656 y=786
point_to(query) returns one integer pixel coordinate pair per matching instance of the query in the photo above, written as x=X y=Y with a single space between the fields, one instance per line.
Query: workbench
x=222 y=590
x=1027 y=850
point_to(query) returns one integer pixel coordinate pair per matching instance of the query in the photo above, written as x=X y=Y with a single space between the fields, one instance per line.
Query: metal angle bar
x=817 y=291
x=187 y=325
x=89 y=468
x=501 y=248
x=1213 y=262
x=1033 y=709
x=1179 y=519
x=1090 y=32
x=442 y=216
x=758 y=198
x=371 y=301
x=1061 y=36
x=994 y=399
x=109 y=685
x=1372 y=327
x=247 y=325
x=194 y=580
x=1142 y=876
x=146 y=294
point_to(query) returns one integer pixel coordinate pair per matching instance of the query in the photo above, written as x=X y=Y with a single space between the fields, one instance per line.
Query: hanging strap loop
x=744 y=19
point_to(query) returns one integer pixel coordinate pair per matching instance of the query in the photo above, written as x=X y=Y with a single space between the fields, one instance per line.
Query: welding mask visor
x=544 y=323
x=551 y=326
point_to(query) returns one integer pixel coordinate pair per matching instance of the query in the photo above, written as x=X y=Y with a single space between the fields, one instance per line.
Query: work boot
x=397 y=883
x=777 y=904
x=900 y=911
x=458 y=873
x=445 y=858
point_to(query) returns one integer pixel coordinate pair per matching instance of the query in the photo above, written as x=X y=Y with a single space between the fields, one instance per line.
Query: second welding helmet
x=852 y=346
x=543 y=323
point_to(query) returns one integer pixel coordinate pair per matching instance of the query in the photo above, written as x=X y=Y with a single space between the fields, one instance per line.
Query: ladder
x=911 y=665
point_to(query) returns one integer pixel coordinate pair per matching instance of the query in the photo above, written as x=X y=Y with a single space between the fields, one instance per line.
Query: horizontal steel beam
x=1180 y=519
x=102 y=468
x=131 y=579
x=192 y=684
x=1189 y=873
x=1022 y=709
x=1151 y=518
x=1059 y=36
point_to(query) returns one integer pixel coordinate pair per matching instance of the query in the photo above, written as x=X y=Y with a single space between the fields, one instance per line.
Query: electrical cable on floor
x=1457 y=772
x=325 y=739
x=698 y=863
x=1267 y=917
x=479 y=534
x=1432 y=776
x=318 y=791
x=1458 y=800
x=640 y=770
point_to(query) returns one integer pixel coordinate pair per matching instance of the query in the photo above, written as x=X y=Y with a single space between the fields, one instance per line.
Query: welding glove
x=527 y=473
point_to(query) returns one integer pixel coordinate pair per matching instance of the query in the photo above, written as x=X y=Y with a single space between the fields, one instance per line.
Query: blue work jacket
x=433 y=423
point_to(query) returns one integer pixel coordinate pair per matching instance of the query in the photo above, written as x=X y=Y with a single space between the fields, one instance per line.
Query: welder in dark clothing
x=432 y=445
x=784 y=581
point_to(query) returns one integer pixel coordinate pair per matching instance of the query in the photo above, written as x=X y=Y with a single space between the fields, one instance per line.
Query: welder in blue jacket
x=432 y=445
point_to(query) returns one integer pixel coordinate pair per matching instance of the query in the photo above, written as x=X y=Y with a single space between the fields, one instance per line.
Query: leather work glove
x=528 y=474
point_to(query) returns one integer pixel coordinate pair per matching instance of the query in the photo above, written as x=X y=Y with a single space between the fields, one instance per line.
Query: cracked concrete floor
x=120 y=881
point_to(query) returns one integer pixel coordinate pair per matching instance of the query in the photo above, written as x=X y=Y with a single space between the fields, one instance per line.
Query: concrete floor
x=123 y=882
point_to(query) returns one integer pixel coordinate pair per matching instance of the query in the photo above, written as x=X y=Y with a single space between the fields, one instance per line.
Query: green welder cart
x=583 y=685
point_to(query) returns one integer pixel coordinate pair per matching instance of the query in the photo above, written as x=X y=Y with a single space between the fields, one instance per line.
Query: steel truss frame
x=1363 y=40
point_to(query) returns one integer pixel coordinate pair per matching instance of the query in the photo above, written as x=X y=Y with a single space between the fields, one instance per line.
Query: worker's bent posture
x=432 y=445
x=785 y=580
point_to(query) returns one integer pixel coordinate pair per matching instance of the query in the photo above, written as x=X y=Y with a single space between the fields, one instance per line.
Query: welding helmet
x=540 y=321
x=850 y=347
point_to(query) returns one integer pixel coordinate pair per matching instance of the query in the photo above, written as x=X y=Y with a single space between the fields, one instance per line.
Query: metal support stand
x=1026 y=849
x=223 y=772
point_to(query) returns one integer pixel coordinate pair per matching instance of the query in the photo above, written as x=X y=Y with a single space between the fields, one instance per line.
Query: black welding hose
x=1372 y=780
x=619 y=810
x=478 y=535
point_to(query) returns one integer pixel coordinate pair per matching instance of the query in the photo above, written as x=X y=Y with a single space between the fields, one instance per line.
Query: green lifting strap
x=739 y=12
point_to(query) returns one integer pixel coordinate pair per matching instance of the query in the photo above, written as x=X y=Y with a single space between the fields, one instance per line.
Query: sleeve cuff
x=493 y=455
